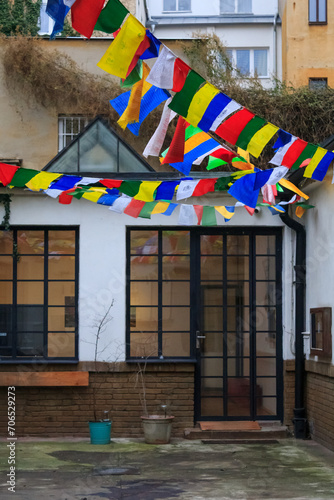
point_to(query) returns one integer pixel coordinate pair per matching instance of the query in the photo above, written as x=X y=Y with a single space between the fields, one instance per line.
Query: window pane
x=59 y=291
x=6 y=292
x=212 y=319
x=212 y=295
x=176 y=344
x=60 y=318
x=266 y=245
x=169 y=5
x=30 y=268
x=30 y=318
x=212 y=345
x=176 y=242
x=61 y=242
x=144 y=268
x=265 y=293
x=176 y=319
x=260 y=62
x=211 y=268
x=143 y=345
x=144 y=293
x=265 y=268
x=266 y=367
x=211 y=244
x=322 y=11
x=30 y=344
x=317 y=83
x=30 y=242
x=6 y=242
x=211 y=367
x=175 y=293
x=243 y=61
x=61 y=268
x=212 y=407
x=237 y=245
x=5 y=319
x=144 y=319
x=312 y=13
x=30 y=292
x=266 y=406
x=227 y=5
x=266 y=344
x=238 y=343
x=237 y=268
x=61 y=345
x=144 y=242
x=266 y=319
x=245 y=6
x=6 y=268
x=238 y=294
x=184 y=4
x=176 y=268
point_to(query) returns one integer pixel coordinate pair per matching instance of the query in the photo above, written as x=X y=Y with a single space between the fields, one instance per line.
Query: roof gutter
x=299 y=421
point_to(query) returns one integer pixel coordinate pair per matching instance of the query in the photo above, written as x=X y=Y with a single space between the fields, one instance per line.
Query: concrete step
x=267 y=432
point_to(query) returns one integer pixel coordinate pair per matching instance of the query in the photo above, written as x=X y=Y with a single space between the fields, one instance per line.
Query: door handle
x=198 y=339
x=201 y=336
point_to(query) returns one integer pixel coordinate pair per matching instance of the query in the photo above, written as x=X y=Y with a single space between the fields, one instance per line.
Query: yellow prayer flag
x=160 y=207
x=122 y=50
x=42 y=181
x=200 y=103
x=287 y=184
x=244 y=154
x=146 y=190
x=225 y=213
x=260 y=139
x=139 y=89
x=300 y=211
x=316 y=159
x=93 y=196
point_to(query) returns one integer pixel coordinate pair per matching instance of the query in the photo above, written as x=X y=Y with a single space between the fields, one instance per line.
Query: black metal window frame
x=42 y=359
x=316 y=3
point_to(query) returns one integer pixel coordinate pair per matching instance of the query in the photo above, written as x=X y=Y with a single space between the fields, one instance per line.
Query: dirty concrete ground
x=131 y=470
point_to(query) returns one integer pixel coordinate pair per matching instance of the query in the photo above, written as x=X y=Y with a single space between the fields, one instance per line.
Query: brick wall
x=320 y=402
x=65 y=411
x=289 y=391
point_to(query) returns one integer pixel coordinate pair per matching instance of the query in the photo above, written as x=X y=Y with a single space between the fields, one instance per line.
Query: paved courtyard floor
x=131 y=470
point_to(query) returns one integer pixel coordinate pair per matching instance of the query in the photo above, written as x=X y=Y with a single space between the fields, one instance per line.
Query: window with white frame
x=250 y=62
x=68 y=128
x=176 y=5
x=45 y=21
x=235 y=6
x=317 y=11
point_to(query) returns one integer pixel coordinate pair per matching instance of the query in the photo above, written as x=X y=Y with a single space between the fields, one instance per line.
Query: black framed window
x=321 y=332
x=317 y=11
x=39 y=294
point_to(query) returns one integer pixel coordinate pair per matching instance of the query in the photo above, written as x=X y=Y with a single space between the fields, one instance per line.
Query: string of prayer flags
x=200 y=102
x=147 y=190
x=84 y=14
x=215 y=107
x=283 y=143
x=154 y=145
x=111 y=17
x=193 y=150
x=260 y=139
x=42 y=181
x=233 y=126
x=181 y=100
x=7 y=173
x=166 y=190
x=120 y=204
x=57 y=10
x=226 y=212
x=253 y=126
x=228 y=109
x=319 y=164
x=122 y=52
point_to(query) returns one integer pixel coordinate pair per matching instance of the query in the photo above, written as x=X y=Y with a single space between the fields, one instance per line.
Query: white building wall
x=212 y=7
x=102 y=252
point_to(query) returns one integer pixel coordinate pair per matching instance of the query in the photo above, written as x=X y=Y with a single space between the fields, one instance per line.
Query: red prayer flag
x=134 y=208
x=7 y=172
x=175 y=152
x=232 y=127
x=181 y=70
x=199 y=213
x=204 y=186
x=250 y=210
x=65 y=198
x=293 y=153
x=111 y=183
x=224 y=154
x=85 y=14
x=145 y=44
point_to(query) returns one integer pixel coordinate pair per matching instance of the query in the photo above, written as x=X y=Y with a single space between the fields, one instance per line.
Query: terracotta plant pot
x=157 y=429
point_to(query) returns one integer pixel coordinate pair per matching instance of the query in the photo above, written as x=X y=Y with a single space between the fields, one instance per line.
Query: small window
x=321 y=332
x=68 y=128
x=235 y=6
x=317 y=83
x=177 y=5
x=317 y=11
x=249 y=62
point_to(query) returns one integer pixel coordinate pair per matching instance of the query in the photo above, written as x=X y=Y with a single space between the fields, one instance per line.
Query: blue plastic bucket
x=100 y=432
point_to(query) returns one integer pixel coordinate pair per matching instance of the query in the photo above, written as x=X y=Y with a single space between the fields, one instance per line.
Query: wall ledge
x=320 y=368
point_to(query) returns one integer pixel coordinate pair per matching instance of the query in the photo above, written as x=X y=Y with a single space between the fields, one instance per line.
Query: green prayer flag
x=22 y=176
x=303 y=205
x=146 y=211
x=134 y=77
x=307 y=153
x=111 y=17
x=191 y=130
x=279 y=188
x=222 y=184
x=181 y=101
x=79 y=192
x=215 y=162
x=130 y=188
x=251 y=128
x=209 y=216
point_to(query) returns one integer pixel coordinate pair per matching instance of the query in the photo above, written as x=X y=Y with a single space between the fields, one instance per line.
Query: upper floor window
x=250 y=62
x=177 y=5
x=68 y=128
x=235 y=6
x=317 y=11
x=38 y=293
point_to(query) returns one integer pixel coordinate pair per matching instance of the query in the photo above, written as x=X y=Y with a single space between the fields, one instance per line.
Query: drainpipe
x=149 y=22
x=300 y=422
x=275 y=45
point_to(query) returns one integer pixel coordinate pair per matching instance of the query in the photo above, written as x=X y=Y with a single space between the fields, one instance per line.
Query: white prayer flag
x=161 y=75
x=154 y=145
x=186 y=189
x=227 y=111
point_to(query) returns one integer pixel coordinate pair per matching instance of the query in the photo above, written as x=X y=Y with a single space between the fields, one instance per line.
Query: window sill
x=317 y=23
x=176 y=12
x=161 y=361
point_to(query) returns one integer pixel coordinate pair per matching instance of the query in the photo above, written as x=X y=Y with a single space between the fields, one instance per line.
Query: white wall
x=102 y=260
x=212 y=7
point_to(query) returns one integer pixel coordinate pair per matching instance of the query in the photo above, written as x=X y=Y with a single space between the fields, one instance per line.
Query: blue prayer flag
x=216 y=106
x=243 y=190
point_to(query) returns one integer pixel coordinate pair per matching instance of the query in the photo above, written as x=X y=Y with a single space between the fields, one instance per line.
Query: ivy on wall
x=19 y=17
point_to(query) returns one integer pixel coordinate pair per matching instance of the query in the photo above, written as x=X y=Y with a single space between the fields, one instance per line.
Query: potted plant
x=157 y=428
x=100 y=427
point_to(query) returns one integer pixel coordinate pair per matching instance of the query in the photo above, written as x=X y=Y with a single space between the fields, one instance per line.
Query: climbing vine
x=5 y=199
x=19 y=17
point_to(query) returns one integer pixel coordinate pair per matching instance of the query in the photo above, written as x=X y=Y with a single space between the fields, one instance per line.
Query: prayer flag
x=154 y=145
x=307 y=153
x=175 y=152
x=216 y=106
x=7 y=173
x=261 y=139
x=205 y=186
x=122 y=51
x=226 y=212
x=111 y=183
x=120 y=204
x=187 y=216
x=134 y=208
x=161 y=74
x=107 y=199
x=293 y=152
x=243 y=190
x=209 y=216
x=181 y=71
x=199 y=213
x=170 y=209
x=42 y=181
x=160 y=207
x=277 y=174
x=181 y=100
x=249 y=131
x=134 y=77
x=288 y=185
x=191 y=156
x=200 y=103
x=147 y=209
x=69 y=3
x=283 y=147
x=66 y=182
x=166 y=190
x=147 y=190
x=318 y=166
x=84 y=14
x=186 y=189
x=111 y=17
x=57 y=10
x=215 y=163
x=22 y=176
x=132 y=111
x=232 y=127
x=230 y=108
x=130 y=188
x=153 y=48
